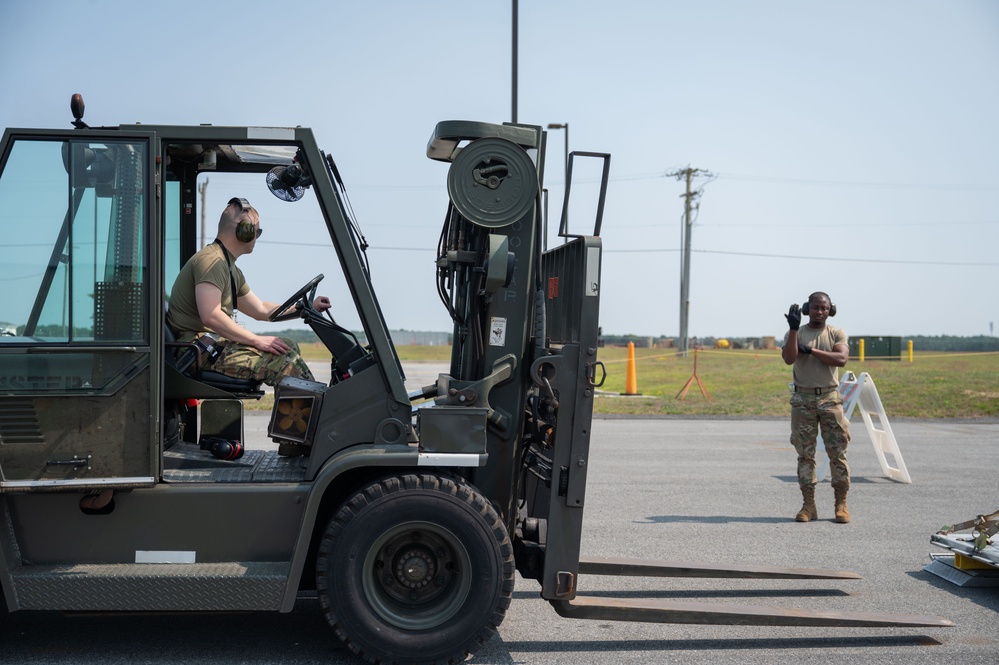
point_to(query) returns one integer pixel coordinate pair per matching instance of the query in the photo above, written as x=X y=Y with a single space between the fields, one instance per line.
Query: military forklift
x=408 y=514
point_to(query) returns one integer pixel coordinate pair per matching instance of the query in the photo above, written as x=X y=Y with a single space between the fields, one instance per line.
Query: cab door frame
x=111 y=434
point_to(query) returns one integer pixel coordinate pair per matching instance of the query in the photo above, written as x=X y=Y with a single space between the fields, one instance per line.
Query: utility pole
x=203 y=190
x=690 y=205
x=513 y=67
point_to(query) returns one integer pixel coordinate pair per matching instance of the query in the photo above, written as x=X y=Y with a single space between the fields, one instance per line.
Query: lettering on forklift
x=510 y=292
x=51 y=383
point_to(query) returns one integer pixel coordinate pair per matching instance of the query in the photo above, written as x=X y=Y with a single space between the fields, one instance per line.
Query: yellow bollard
x=860 y=346
x=630 y=379
x=910 y=350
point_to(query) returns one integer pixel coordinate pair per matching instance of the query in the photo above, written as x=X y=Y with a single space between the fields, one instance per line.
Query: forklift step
x=230 y=586
x=658 y=611
x=648 y=568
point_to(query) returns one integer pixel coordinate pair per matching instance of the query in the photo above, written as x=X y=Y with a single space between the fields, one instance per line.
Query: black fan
x=288 y=183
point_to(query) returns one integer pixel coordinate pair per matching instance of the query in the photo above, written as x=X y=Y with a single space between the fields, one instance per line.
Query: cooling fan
x=295 y=413
x=297 y=408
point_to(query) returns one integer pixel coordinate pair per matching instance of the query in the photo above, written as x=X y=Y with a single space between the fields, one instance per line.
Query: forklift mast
x=525 y=336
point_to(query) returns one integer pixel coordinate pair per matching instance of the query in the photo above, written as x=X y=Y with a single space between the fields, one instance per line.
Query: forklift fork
x=660 y=611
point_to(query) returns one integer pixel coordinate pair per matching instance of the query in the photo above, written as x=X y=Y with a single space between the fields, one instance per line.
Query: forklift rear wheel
x=415 y=568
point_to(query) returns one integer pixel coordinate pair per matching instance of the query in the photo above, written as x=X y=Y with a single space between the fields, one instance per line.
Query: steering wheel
x=309 y=288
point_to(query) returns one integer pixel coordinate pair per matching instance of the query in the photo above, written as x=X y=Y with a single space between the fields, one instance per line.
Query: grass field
x=754 y=383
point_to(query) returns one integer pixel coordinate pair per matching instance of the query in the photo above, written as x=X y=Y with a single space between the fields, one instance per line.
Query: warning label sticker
x=497 y=331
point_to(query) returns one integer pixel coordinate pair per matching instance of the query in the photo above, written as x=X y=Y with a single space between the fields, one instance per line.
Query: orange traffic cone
x=630 y=378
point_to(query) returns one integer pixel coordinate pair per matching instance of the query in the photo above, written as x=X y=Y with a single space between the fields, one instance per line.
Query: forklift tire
x=415 y=568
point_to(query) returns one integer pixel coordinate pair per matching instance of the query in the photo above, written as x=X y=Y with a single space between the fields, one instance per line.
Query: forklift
x=126 y=484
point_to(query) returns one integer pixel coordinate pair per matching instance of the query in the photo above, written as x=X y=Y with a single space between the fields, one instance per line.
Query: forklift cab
x=98 y=223
x=276 y=176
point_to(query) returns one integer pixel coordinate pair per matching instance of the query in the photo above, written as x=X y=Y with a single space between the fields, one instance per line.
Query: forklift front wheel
x=415 y=567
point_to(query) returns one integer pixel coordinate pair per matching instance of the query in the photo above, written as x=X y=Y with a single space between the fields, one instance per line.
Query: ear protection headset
x=245 y=230
x=225 y=449
x=832 y=305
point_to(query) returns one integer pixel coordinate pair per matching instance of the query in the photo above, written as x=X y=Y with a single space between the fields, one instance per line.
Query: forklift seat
x=185 y=374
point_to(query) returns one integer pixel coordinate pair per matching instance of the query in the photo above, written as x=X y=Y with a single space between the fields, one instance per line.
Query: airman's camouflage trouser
x=246 y=362
x=809 y=414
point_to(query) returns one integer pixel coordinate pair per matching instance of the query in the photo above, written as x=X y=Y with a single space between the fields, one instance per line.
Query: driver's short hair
x=234 y=212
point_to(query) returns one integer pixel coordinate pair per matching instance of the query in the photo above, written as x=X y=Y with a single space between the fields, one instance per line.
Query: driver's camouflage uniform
x=236 y=360
x=246 y=362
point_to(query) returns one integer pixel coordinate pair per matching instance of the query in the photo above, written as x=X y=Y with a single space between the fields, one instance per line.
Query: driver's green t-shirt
x=209 y=265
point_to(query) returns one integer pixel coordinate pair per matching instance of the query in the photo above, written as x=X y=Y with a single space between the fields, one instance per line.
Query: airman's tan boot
x=842 y=512
x=808 y=511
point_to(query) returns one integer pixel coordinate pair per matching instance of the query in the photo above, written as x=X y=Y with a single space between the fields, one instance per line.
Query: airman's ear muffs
x=245 y=230
x=224 y=449
x=832 y=305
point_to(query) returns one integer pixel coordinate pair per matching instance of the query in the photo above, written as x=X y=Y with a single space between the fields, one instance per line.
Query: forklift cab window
x=172 y=262
x=73 y=265
x=200 y=180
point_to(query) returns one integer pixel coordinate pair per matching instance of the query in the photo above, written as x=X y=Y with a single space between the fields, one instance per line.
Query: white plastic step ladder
x=862 y=391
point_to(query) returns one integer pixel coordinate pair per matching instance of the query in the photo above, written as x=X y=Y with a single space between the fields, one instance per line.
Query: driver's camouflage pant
x=246 y=362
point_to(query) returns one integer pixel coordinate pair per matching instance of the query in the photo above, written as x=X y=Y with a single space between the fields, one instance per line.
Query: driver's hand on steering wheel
x=321 y=304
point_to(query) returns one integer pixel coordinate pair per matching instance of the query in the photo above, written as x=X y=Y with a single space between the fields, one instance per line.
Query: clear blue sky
x=856 y=144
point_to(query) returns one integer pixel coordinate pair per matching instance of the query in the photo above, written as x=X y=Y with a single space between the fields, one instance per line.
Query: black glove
x=793 y=317
x=804 y=348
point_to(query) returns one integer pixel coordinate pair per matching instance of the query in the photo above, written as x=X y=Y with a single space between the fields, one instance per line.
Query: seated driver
x=210 y=287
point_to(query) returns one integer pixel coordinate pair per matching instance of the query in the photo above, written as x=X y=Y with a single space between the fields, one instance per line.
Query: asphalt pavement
x=709 y=491
x=724 y=492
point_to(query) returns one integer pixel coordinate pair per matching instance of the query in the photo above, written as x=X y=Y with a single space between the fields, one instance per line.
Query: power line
x=854 y=183
x=803 y=226
x=852 y=260
x=824 y=183
x=670 y=250
x=838 y=225
x=972 y=187
x=804 y=258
